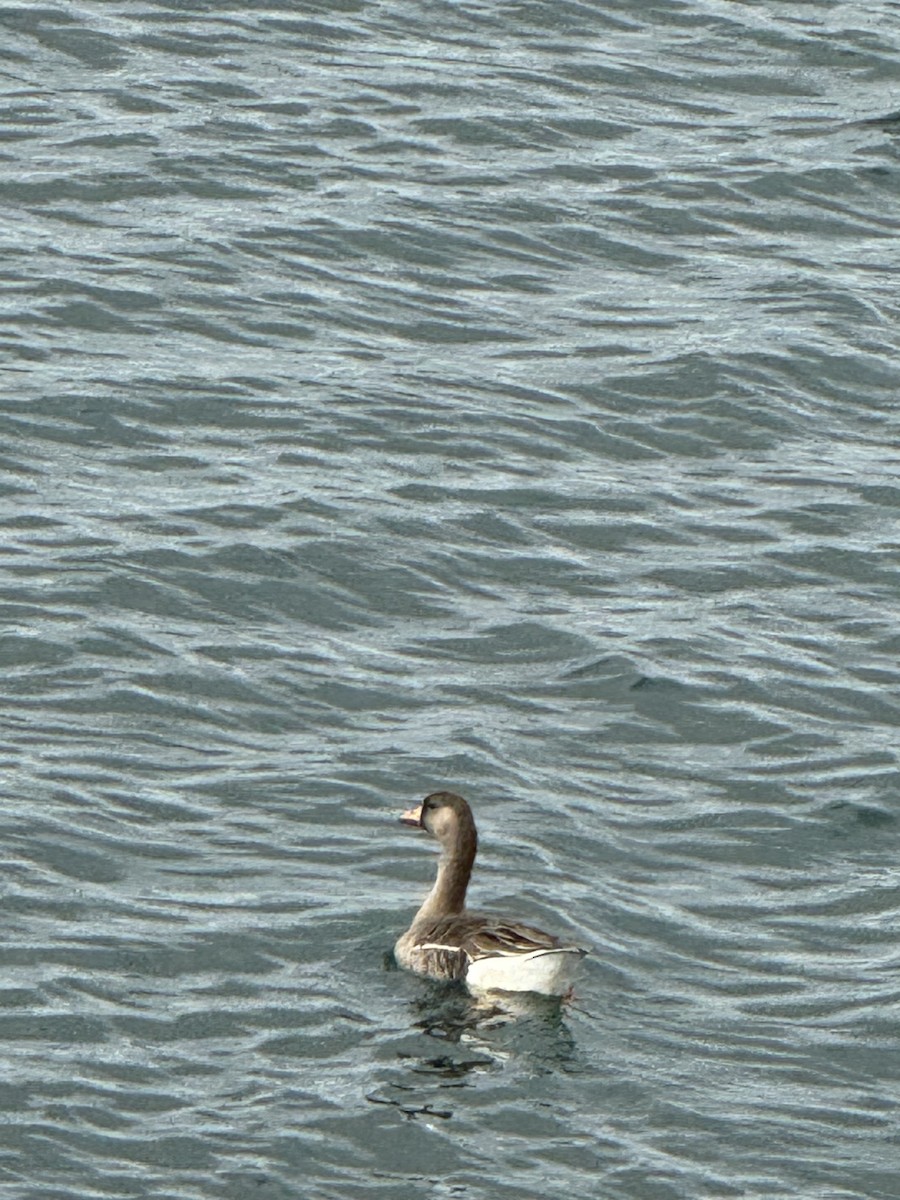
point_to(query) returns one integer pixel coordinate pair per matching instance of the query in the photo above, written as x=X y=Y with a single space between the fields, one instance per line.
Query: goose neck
x=448 y=895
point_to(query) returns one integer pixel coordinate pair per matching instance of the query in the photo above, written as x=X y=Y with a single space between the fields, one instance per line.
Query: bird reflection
x=480 y=1033
x=460 y=1036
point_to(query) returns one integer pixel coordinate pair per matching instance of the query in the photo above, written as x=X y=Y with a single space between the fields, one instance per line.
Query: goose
x=446 y=941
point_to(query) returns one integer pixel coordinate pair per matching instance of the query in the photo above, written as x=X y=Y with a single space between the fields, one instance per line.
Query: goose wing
x=510 y=938
x=471 y=936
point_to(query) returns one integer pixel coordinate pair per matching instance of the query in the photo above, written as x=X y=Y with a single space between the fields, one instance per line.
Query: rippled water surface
x=497 y=396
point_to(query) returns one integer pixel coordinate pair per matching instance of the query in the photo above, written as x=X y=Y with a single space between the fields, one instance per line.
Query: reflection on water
x=476 y=1035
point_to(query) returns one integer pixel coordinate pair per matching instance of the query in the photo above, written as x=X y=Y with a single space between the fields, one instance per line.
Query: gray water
x=407 y=395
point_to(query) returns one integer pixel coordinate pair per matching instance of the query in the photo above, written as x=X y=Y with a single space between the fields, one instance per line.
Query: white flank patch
x=550 y=972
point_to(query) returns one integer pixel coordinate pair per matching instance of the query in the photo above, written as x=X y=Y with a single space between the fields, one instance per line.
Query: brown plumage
x=445 y=941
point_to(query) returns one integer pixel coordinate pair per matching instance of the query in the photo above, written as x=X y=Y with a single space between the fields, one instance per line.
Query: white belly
x=550 y=972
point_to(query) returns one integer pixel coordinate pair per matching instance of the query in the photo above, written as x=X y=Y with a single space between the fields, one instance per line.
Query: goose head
x=447 y=817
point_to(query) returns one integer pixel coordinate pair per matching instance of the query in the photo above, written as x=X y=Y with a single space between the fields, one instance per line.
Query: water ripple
x=406 y=396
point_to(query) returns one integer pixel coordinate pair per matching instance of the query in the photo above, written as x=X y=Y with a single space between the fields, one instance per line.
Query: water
x=500 y=397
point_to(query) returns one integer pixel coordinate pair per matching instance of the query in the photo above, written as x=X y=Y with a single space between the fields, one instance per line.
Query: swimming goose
x=487 y=953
